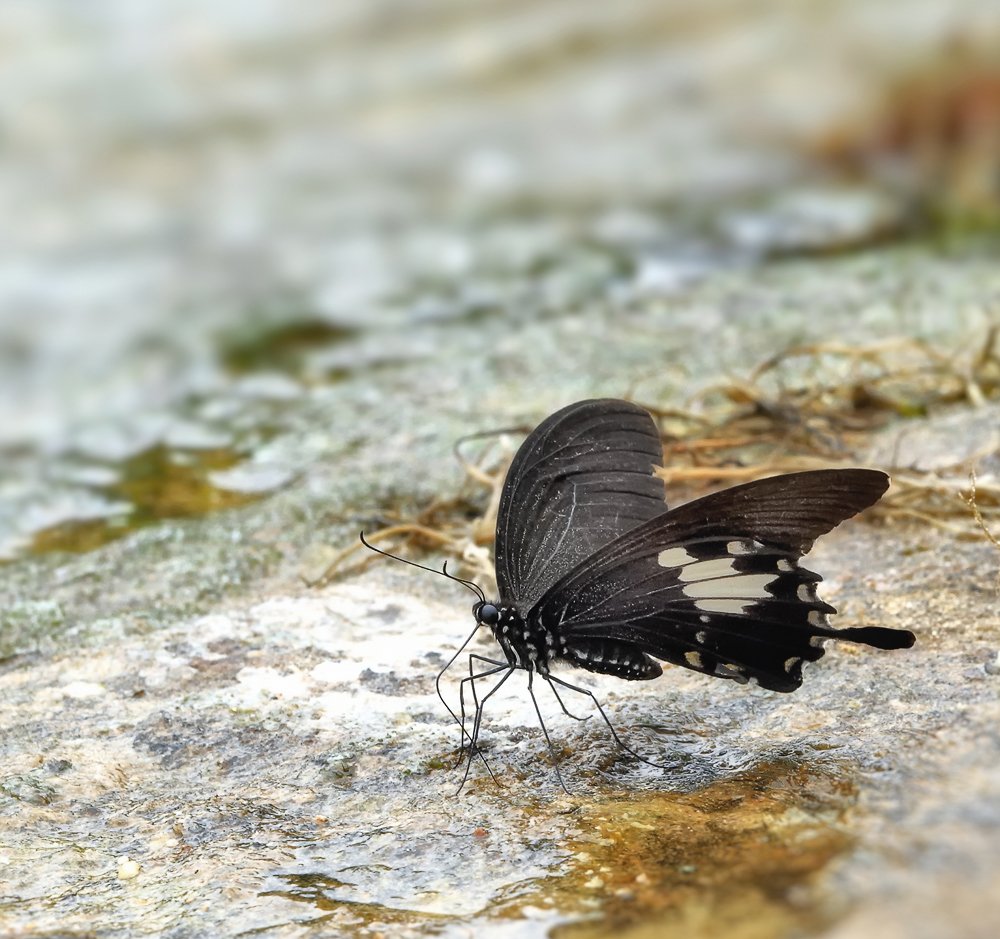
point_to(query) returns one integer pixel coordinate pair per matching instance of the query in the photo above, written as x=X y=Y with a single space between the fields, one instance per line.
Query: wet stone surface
x=196 y=742
x=285 y=766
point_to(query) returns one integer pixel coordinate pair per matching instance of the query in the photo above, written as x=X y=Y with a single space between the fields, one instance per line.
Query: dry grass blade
x=809 y=406
x=445 y=525
x=977 y=512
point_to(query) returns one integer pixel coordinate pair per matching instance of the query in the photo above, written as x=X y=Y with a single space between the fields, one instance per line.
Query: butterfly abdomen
x=608 y=657
x=530 y=645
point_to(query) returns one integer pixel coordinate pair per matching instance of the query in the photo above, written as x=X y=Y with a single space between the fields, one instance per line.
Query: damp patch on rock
x=278 y=345
x=729 y=859
x=154 y=484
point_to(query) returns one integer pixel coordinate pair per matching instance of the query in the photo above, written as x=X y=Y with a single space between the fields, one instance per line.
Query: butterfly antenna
x=471 y=584
x=474 y=587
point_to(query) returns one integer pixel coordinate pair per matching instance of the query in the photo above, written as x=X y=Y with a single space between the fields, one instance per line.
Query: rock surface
x=193 y=740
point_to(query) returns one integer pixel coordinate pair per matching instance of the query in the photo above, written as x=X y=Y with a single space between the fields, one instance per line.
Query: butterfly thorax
x=525 y=645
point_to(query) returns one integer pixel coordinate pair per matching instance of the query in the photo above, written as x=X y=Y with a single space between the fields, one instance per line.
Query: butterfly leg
x=498 y=666
x=471 y=682
x=600 y=710
x=440 y=675
x=477 y=723
x=548 y=739
x=568 y=713
x=473 y=676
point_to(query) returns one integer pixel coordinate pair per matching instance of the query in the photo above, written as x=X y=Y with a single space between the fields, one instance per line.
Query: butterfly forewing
x=715 y=585
x=581 y=479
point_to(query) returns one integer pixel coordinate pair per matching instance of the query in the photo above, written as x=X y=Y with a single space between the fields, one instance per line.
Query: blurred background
x=262 y=263
x=197 y=193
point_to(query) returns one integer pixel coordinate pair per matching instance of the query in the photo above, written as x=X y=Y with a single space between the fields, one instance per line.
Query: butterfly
x=595 y=572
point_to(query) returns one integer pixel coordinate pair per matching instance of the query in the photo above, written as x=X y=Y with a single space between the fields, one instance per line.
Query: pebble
x=127 y=868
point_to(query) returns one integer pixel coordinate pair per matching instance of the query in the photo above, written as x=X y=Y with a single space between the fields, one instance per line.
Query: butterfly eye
x=487 y=613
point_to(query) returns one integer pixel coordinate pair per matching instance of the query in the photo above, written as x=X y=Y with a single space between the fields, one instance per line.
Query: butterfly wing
x=715 y=585
x=580 y=479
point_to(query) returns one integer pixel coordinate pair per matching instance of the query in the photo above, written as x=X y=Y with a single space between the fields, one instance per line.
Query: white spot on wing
x=806 y=592
x=818 y=618
x=703 y=617
x=674 y=557
x=718 y=605
x=701 y=635
x=737 y=548
x=705 y=570
x=748 y=586
x=791 y=663
x=693 y=659
x=784 y=566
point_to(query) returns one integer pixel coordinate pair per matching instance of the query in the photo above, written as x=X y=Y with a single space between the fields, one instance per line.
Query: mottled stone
x=457 y=223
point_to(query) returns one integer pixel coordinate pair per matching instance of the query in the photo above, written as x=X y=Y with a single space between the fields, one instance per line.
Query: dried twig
x=812 y=405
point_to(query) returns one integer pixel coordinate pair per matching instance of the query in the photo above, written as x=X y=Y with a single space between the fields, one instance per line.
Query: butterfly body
x=529 y=644
x=525 y=645
x=596 y=572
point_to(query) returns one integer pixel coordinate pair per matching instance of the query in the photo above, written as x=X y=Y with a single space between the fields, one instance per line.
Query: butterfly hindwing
x=582 y=478
x=716 y=586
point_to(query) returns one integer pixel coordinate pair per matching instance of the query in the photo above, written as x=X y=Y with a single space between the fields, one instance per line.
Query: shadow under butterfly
x=594 y=572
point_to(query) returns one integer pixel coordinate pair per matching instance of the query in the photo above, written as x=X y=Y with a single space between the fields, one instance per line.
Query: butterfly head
x=486 y=614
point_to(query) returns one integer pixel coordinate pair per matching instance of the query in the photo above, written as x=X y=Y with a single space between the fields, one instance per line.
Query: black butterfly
x=594 y=572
